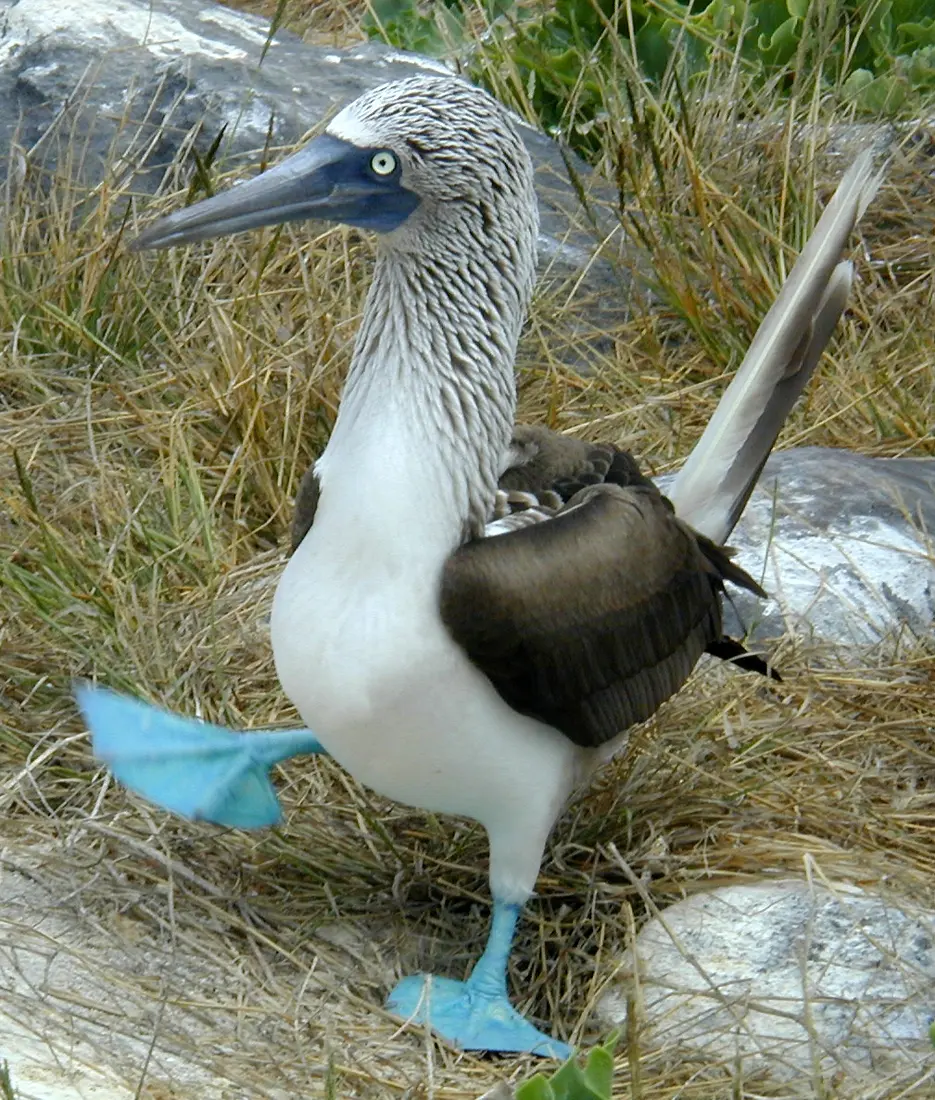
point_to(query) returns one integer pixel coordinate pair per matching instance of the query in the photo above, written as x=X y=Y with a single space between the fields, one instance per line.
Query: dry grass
x=156 y=413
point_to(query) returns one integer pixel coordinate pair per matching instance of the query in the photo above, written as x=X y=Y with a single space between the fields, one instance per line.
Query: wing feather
x=587 y=621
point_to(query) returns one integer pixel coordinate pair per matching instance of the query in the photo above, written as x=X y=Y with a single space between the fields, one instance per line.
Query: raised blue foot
x=192 y=768
x=476 y=1014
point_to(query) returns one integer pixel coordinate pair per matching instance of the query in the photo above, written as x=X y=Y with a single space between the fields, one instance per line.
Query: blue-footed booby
x=473 y=613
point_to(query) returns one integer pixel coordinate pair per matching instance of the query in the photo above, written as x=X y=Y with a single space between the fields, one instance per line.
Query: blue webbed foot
x=192 y=768
x=477 y=1014
x=470 y=1019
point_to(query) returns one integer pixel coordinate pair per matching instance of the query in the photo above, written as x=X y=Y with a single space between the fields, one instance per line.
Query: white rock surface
x=68 y=1026
x=787 y=977
x=845 y=546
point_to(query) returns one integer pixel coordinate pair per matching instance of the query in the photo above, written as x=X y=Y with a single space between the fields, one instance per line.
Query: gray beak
x=328 y=179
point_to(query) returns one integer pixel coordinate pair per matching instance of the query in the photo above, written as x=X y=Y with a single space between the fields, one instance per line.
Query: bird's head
x=416 y=160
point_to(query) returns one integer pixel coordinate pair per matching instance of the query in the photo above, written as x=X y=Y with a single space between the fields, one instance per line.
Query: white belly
x=362 y=653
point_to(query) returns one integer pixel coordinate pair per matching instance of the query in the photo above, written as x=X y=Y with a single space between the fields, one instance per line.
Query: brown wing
x=589 y=620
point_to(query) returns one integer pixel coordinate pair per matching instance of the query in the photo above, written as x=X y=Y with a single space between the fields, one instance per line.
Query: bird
x=474 y=612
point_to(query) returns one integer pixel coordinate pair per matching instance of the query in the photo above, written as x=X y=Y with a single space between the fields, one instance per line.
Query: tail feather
x=712 y=488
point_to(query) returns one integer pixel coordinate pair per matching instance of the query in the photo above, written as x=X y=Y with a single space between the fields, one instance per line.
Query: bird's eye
x=383 y=163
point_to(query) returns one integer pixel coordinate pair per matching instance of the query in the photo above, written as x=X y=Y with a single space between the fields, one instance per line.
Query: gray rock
x=126 y=86
x=844 y=545
x=789 y=979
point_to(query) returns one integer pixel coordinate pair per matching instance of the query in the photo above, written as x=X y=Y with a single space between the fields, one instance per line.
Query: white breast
x=361 y=651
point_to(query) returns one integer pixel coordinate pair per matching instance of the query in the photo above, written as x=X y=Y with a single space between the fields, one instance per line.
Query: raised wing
x=591 y=619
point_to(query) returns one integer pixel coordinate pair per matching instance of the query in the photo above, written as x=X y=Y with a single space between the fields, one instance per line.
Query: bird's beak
x=329 y=179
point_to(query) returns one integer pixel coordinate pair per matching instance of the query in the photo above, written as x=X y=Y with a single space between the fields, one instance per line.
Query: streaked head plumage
x=450 y=134
x=453 y=145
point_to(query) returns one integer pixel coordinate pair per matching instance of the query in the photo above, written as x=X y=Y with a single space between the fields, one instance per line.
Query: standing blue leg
x=476 y=1014
x=192 y=768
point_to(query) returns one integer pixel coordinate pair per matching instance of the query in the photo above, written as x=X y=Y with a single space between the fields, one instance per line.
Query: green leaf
x=599 y=1071
x=778 y=33
x=781 y=45
x=392 y=11
x=879 y=94
x=916 y=36
x=880 y=31
x=653 y=49
x=920 y=68
x=404 y=23
x=857 y=82
x=905 y=11
x=571 y=1082
x=538 y=1088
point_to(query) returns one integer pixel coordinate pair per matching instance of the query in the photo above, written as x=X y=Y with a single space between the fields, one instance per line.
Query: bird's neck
x=427 y=411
